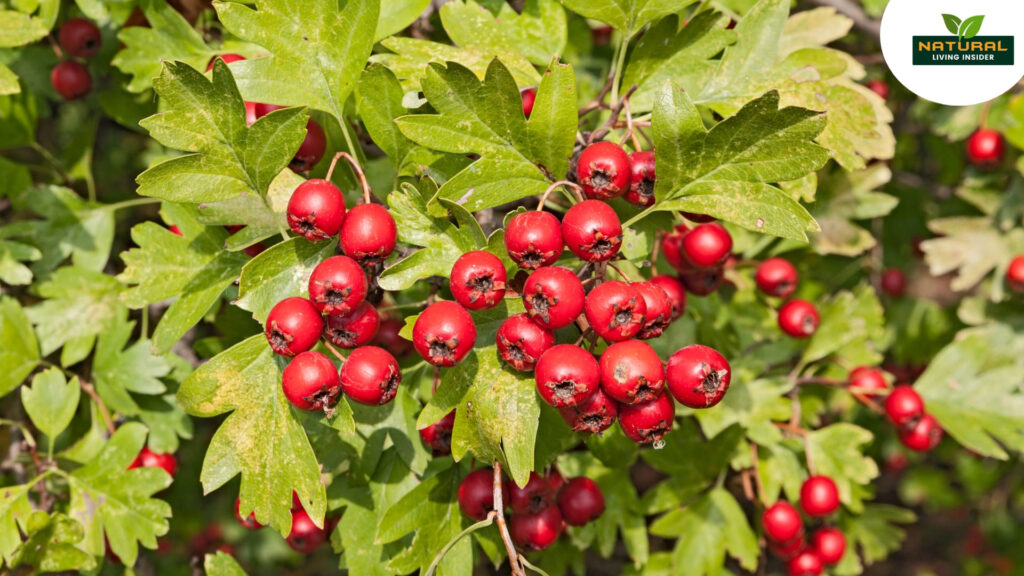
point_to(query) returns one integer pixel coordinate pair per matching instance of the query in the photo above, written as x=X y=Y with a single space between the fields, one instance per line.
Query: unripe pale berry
x=310 y=381
x=337 y=286
x=659 y=309
x=294 y=325
x=776 y=277
x=698 y=376
x=592 y=231
x=819 y=496
x=521 y=342
x=370 y=376
x=534 y=239
x=592 y=416
x=904 y=406
x=316 y=210
x=631 y=372
x=80 y=38
x=368 y=234
x=648 y=422
x=444 y=333
x=478 y=280
x=537 y=531
x=553 y=297
x=566 y=375
x=581 y=501
x=641 y=185
x=355 y=329
x=798 y=318
x=615 y=310
x=603 y=171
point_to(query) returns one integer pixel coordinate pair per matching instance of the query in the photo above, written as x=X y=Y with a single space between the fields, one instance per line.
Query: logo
x=966 y=48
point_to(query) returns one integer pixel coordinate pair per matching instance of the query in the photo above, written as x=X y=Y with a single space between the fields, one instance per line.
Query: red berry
x=355 y=329
x=904 y=406
x=675 y=291
x=594 y=415
x=782 y=523
x=698 y=376
x=264 y=109
x=529 y=96
x=581 y=501
x=556 y=480
x=698 y=218
x=672 y=247
x=175 y=230
x=305 y=537
x=249 y=522
x=478 y=280
x=592 y=231
x=71 y=80
x=537 y=531
x=311 y=150
x=1015 y=274
x=707 y=246
x=438 y=436
x=701 y=282
x=228 y=59
x=521 y=342
x=659 y=309
x=819 y=496
x=798 y=318
x=986 y=148
x=444 y=333
x=149 y=459
x=370 y=376
x=294 y=325
x=641 y=183
x=806 y=563
x=868 y=381
x=534 y=239
x=603 y=171
x=337 y=285
x=879 y=87
x=316 y=210
x=80 y=38
x=647 y=422
x=602 y=35
x=476 y=493
x=776 y=277
x=631 y=372
x=390 y=339
x=894 y=283
x=553 y=297
x=922 y=436
x=567 y=375
x=787 y=550
x=368 y=234
x=310 y=381
x=535 y=496
x=615 y=310
x=830 y=543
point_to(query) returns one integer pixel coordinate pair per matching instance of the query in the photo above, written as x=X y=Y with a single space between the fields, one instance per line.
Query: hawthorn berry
x=305 y=536
x=556 y=480
x=592 y=416
x=553 y=297
x=337 y=286
x=615 y=310
x=602 y=35
x=647 y=422
x=698 y=376
x=444 y=333
x=798 y=318
x=701 y=282
x=603 y=171
x=659 y=310
x=249 y=522
x=641 y=182
x=830 y=543
x=521 y=342
x=894 y=282
x=675 y=291
x=819 y=496
x=535 y=496
x=534 y=239
x=294 y=325
x=389 y=338
x=776 y=277
x=311 y=150
x=672 y=247
x=529 y=96
x=478 y=280
x=879 y=87
x=1015 y=274
x=581 y=501
x=476 y=493
x=370 y=375
x=537 y=531
x=438 y=436
x=707 y=246
x=781 y=522
x=631 y=372
x=868 y=381
x=904 y=406
x=368 y=234
x=806 y=563
x=71 y=80
x=228 y=59
x=986 y=148
x=787 y=550
x=567 y=375
x=80 y=38
x=316 y=210
x=698 y=218
x=175 y=230
x=355 y=329
x=310 y=381
x=592 y=231
x=923 y=435
x=149 y=459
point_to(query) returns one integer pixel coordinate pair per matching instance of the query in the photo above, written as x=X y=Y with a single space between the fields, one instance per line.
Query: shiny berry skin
x=647 y=422
x=698 y=376
x=659 y=310
x=603 y=171
x=478 y=280
x=316 y=210
x=903 y=406
x=175 y=230
x=264 y=109
x=879 y=87
x=781 y=522
x=615 y=310
x=894 y=282
x=80 y=38
x=641 y=182
x=305 y=537
x=537 y=531
x=370 y=376
x=249 y=522
x=701 y=282
x=776 y=277
x=868 y=381
x=337 y=286
x=294 y=325
x=1015 y=274
x=567 y=375
x=521 y=342
x=553 y=297
x=476 y=493
x=149 y=459
x=444 y=333
x=390 y=339
x=532 y=498
x=355 y=329
x=310 y=381
x=631 y=372
x=71 y=80
x=534 y=239
x=676 y=293
x=985 y=149
x=798 y=318
x=311 y=150
x=707 y=245
x=922 y=436
x=806 y=563
x=529 y=96
x=672 y=247
x=592 y=416
x=830 y=544
x=819 y=496
x=581 y=501
x=438 y=436
x=592 y=231
x=368 y=234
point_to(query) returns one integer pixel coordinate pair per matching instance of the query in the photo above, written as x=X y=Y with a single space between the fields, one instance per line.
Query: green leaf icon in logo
x=952 y=23
x=970 y=27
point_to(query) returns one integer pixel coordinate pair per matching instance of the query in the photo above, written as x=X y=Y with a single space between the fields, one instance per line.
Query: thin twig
x=104 y=413
x=367 y=193
x=621 y=274
x=577 y=190
x=499 y=513
x=335 y=351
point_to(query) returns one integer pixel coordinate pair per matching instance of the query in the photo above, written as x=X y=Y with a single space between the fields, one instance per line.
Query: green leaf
x=969 y=246
x=551 y=128
x=538 y=31
x=952 y=23
x=78 y=303
x=852 y=326
x=707 y=530
x=168 y=38
x=246 y=381
x=15 y=509
x=18 y=28
x=118 y=371
x=970 y=27
x=222 y=564
x=397 y=15
x=627 y=15
x=280 y=272
x=426 y=508
x=8 y=81
x=846 y=197
x=410 y=57
x=71 y=227
x=836 y=452
x=52 y=545
x=379 y=99
x=875 y=532
x=51 y=402
x=753 y=406
x=689 y=460
x=20 y=353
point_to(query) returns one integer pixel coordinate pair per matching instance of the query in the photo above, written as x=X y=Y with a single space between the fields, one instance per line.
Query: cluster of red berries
x=784 y=529
x=540 y=510
x=149 y=459
x=698 y=254
x=80 y=39
x=305 y=536
x=917 y=429
x=778 y=278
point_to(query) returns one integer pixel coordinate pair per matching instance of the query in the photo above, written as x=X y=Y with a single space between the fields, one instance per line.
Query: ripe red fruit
x=438 y=436
x=647 y=422
x=71 y=80
x=581 y=501
x=879 y=87
x=707 y=245
x=631 y=372
x=986 y=148
x=444 y=333
x=641 y=182
x=370 y=376
x=592 y=231
x=602 y=35
x=659 y=310
x=368 y=234
x=698 y=218
x=175 y=230
x=566 y=375
x=806 y=563
x=311 y=150
x=316 y=210
x=675 y=291
x=355 y=329
x=556 y=480
x=228 y=59
x=535 y=496
x=249 y=522
x=819 y=496
x=305 y=536
x=294 y=325
x=615 y=310
x=830 y=543
x=476 y=493
x=537 y=531
x=264 y=109
x=894 y=283
x=698 y=376
x=867 y=380
x=701 y=282
x=534 y=239
x=80 y=38
x=903 y=406
x=798 y=318
x=390 y=339
x=529 y=96
x=592 y=416
x=922 y=436
x=781 y=522
x=776 y=277
x=553 y=297
x=149 y=459
x=603 y=170
x=310 y=381
x=1015 y=274
x=787 y=550
x=478 y=280
x=521 y=342
x=337 y=285
x=672 y=247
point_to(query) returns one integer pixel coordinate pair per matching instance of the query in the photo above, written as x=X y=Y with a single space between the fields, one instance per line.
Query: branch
x=853 y=11
x=499 y=514
x=88 y=389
